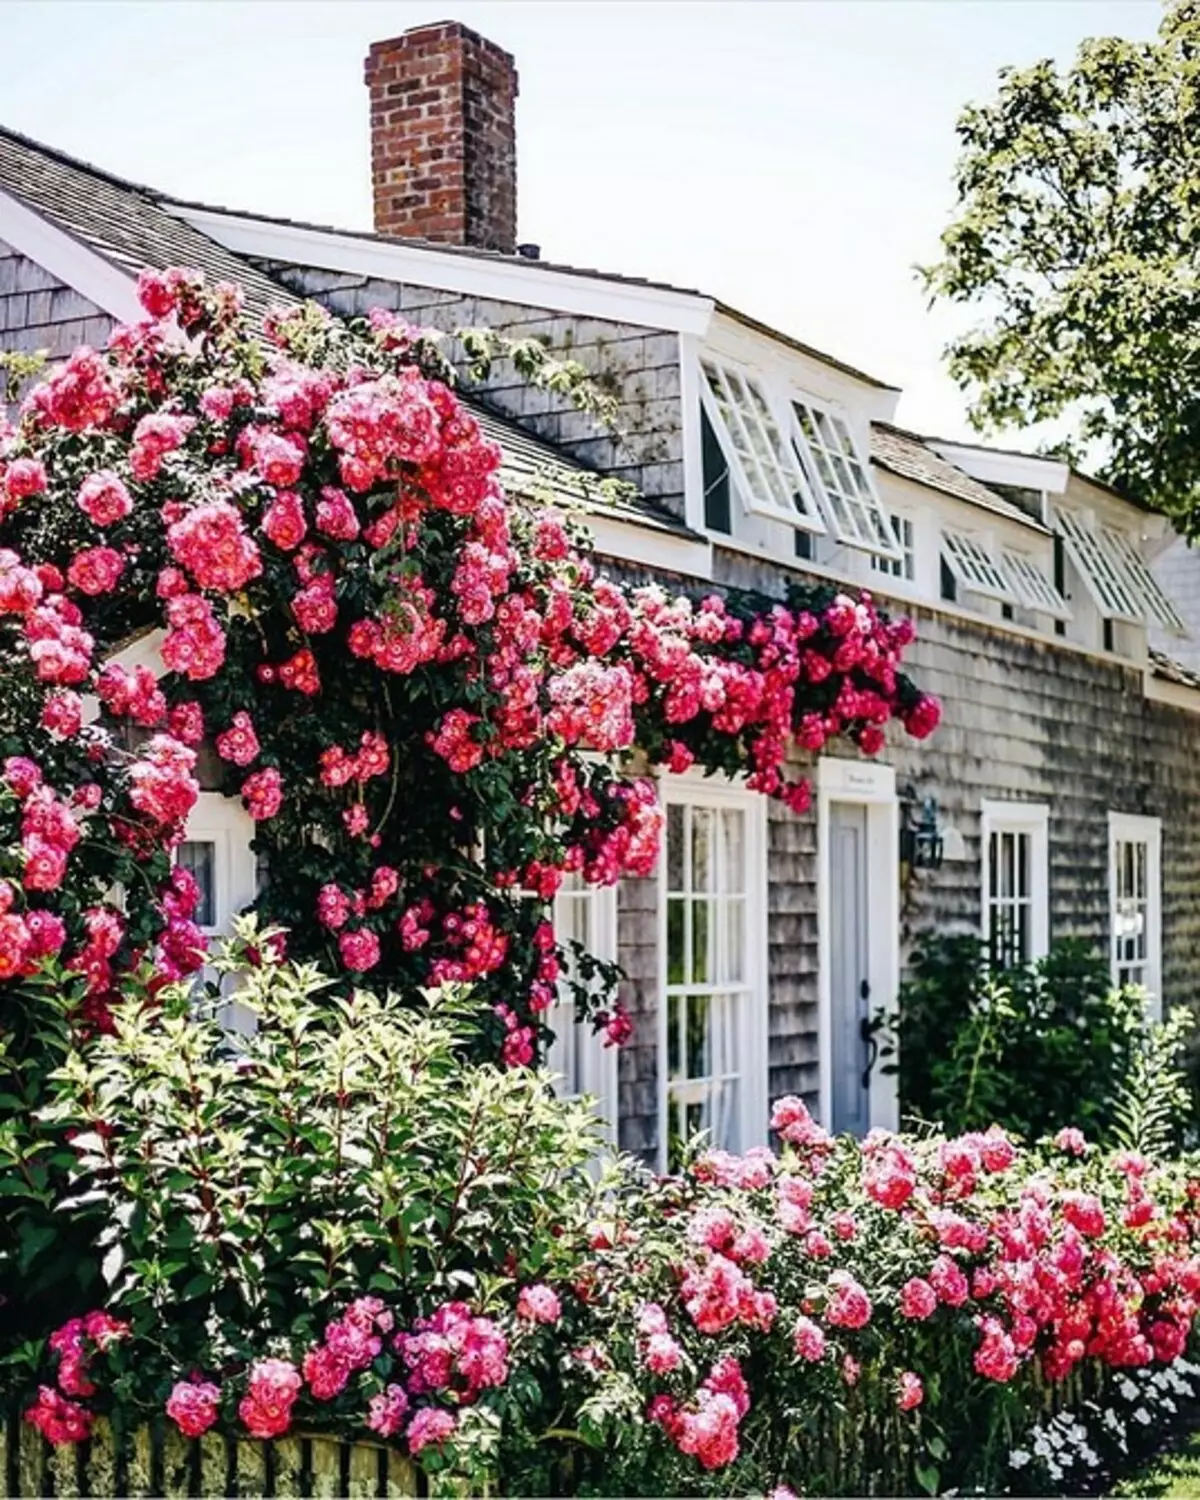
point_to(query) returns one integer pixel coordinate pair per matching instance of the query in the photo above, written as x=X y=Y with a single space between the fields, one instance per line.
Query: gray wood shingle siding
x=39 y=312
x=640 y=366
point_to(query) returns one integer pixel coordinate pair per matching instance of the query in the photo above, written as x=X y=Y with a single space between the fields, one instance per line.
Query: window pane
x=200 y=857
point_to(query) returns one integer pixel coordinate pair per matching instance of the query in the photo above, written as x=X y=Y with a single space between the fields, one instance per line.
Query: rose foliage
x=343 y=1225
x=422 y=689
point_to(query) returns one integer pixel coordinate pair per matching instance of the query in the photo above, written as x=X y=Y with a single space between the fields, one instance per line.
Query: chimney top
x=443 y=137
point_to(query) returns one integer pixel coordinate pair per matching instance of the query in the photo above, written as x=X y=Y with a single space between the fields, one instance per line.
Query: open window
x=841 y=475
x=973 y=567
x=904 y=529
x=1105 y=575
x=1032 y=587
x=762 y=459
x=1135 y=901
x=1155 y=602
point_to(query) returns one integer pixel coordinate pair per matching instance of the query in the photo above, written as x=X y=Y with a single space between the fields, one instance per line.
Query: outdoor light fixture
x=920 y=836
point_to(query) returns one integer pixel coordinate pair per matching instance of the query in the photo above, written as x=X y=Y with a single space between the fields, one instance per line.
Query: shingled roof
x=126 y=224
x=909 y=456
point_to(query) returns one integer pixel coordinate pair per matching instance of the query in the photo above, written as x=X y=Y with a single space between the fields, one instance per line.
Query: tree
x=401 y=670
x=1077 y=234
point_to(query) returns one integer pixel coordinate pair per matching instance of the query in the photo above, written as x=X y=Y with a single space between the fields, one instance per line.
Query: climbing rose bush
x=421 y=689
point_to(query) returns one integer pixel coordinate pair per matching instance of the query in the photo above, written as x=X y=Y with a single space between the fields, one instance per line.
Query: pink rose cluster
x=892 y=1249
x=57 y=1416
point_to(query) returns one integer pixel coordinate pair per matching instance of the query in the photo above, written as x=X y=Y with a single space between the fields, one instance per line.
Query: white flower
x=1142 y=1416
x=1127 y=1389
x=1018 y=1458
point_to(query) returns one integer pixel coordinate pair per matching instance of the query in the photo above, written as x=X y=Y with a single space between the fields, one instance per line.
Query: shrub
x=245 y=1195
x=891 y=1316
x=1033 y=1047
x=342 y=1224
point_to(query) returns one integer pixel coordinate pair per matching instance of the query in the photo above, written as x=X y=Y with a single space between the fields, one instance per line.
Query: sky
x=792 y=157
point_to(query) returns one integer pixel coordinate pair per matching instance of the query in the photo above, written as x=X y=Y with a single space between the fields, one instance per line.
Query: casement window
x=904 y=566
x=1135 y=900
x=1155 y=603
x=1104 y=570
x=761 y=456
x=973 y=567
x=789 y=458
x=1015 y=881
x=713 y=966
x=842 y=478
x=1031 y=586
x=585 y=916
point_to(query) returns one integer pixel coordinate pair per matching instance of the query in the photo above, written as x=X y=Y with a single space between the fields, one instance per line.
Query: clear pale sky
x=792 y=157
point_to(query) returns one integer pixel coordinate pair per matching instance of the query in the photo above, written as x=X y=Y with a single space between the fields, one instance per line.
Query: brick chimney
x=443 y=137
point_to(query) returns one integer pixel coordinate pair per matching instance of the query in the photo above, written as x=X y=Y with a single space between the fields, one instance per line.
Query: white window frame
x=1104 y=574
x=968 y=556
x=1035 y=591
x=755 y=492
x=1132 y=828
x=1033 y=819
x=599 y=1063
x=694 y=790
x=855 y=512
x=901 y=569
x=1154 y=599
x=223 y=822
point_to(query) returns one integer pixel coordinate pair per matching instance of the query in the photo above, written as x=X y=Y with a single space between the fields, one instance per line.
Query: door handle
x=867 y=1032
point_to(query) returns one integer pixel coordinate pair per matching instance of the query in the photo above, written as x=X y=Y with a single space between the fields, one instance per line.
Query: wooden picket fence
x=155 y=1459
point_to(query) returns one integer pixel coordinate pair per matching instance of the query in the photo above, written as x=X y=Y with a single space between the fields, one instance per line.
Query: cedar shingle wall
x=39 y=312
x=640 y=366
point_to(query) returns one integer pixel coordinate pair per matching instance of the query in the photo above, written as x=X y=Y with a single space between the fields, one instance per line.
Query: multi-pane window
x=1134 y=873
x=199 y=858
x=1104 y=575
x=1148 y=589
x=843 y=480
x=1031 y=585
x=973 y=567
x=761 y=452
x=712 y=906
x=1015 y=904
x=585 y=921
x=904 y=566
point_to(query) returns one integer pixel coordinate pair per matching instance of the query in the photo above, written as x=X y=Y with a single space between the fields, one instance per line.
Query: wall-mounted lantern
x=920 y=837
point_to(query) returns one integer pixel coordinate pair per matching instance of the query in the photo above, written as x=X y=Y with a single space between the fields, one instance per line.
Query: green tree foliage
x=1077 y=236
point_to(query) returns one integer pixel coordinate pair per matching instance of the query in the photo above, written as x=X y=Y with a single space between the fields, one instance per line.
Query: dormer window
x=762 y=459
x=973 y=568
x=1032 y=587
x=790 y=459
x=843 y=480
x=1114 y=573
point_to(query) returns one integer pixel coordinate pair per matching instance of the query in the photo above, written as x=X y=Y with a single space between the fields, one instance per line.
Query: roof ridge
x=55 y=153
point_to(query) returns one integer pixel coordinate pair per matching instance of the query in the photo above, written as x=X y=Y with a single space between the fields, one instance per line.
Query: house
x=1064 y=783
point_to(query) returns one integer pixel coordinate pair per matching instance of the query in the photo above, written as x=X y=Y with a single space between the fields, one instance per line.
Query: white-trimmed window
x=216 y=849
x=1016 y=881
x=584 y=915
x=761 y=455
x=841 y=475
x=713 y=966
x=974 y=568
x=1032 y=587
x=1104 y=575
x=904 y=566
x=1135 y=900
x=1149 y=591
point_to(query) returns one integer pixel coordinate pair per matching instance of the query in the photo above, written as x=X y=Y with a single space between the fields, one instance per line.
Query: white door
x=850 y=968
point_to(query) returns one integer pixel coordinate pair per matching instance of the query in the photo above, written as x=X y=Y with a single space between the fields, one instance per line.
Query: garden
x=360 y=1246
